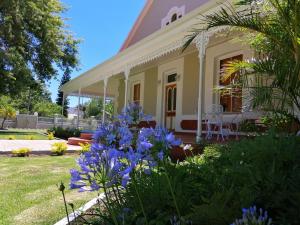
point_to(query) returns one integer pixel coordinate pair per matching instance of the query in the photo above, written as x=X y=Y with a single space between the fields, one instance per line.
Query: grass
x=29 y=194
x=22 y=135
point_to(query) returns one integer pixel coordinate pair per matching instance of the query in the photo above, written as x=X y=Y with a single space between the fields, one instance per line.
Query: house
x=73 y=112
x=176 y=87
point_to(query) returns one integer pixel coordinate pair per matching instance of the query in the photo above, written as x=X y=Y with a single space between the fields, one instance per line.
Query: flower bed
x=143 y=186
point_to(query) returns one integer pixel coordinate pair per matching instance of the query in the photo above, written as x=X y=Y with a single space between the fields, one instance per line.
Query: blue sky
x=102 y=25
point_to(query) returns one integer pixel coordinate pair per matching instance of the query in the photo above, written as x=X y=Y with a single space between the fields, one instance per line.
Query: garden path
x=36 y=146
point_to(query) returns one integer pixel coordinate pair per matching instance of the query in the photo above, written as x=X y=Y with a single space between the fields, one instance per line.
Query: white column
x=126 y=72
x=104 y=99
x=78 y=108
x=201 y=43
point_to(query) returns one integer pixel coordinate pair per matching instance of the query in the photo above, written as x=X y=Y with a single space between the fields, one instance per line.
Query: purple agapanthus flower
x=118 y=151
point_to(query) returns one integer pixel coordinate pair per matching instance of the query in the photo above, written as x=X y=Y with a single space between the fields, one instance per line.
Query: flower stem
x=140 y=201
x=173 y=195
x=108 y=207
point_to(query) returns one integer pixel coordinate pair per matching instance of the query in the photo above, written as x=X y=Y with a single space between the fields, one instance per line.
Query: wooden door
x=170 y=106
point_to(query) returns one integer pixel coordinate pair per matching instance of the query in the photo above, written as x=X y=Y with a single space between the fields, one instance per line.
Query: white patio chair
x=214 y=121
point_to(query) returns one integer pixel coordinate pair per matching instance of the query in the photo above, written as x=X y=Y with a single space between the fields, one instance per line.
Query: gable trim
x=137 y=24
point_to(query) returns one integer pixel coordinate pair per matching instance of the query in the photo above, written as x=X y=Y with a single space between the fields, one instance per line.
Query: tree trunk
x=2 y=125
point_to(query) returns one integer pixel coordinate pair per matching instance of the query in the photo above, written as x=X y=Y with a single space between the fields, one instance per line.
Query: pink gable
x=154 y=14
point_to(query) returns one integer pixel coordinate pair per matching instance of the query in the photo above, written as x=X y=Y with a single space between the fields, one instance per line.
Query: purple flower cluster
x=118 y=151
x=252 y=216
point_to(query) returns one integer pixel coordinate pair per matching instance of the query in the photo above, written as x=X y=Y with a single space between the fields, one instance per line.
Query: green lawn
x=22 y=135
x=28 y=191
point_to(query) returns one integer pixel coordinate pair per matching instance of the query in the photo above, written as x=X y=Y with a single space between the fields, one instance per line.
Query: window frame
x=230 y=57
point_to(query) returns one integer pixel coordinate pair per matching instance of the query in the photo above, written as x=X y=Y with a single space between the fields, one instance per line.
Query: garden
x=253 y=181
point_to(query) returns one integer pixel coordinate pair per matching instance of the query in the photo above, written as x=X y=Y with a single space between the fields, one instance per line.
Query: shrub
x=281 y=122
x=11 y=137
x=264 y=171
x=65 y=133
x=206 y=189
x=85 y=147
x=21 y=152
x=59 y=148
x=50 y=136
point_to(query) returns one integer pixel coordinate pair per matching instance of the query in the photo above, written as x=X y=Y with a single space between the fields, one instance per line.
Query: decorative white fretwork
x=178 y=12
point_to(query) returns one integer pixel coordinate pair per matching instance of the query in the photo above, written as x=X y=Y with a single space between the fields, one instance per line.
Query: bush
x=85 y=147
x=264 y=171
x=21 y=152
x=281 y=122
x=64 y=133
x=59 y=148
x=143 y=186
x=50 y=136
x=213 y=188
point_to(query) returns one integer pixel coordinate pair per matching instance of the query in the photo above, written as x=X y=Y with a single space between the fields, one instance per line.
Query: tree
x=26 y=99
x=7 y=110
x=34 y=43
x=94 y=107
x=46 y=108
x=59 y=100
x=273 y=30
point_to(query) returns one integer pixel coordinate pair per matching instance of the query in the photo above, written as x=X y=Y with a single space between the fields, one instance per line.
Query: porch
x=176 y=88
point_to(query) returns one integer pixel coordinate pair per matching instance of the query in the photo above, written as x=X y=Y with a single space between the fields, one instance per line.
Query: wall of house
x=150 y=91
x=120 y=97
x=190 y=84
x=158 y=10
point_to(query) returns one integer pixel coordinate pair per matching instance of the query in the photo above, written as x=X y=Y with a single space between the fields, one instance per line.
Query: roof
x=154 y=13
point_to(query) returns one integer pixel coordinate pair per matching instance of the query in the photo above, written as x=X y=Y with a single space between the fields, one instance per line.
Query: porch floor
x=190 y=138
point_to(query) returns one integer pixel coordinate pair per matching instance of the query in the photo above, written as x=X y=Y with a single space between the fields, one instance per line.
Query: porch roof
x=152 y=47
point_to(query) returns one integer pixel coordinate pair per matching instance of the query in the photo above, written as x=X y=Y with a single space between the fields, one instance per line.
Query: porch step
x=87 y=136
x=77 y=141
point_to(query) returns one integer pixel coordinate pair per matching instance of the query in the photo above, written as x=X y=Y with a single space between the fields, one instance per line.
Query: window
x=231 y=98
x=174 y=18
x=171 y=98
x=174 y=14
x=137 y=93
x=172 y=78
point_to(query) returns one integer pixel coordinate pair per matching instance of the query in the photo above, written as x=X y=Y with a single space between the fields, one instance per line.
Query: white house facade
x=176 y=87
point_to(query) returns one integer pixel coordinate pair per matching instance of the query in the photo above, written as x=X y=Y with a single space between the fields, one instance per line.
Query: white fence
x=37 y=122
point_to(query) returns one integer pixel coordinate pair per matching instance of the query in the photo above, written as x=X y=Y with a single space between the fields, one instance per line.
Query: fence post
x=55 y=119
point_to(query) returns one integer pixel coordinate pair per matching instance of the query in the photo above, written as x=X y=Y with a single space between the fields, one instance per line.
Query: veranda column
x=78 y=107
x=104 y=99
x=126 y=72
x=201 y=43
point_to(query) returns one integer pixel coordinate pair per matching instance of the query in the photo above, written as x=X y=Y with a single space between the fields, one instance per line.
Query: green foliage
x=60 y=100
x=26 y=99
x=7 y=110
x=34 y=43
x=272 y=28
x=248 y=126
x=59 y=148
x=212 y=188
x=85 y=147
x=50 y=136
x=65 y=133
x=95 y=108
x=45 y=108
x=21 y=152
x=279 y=122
